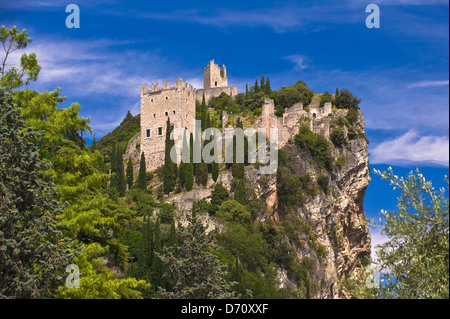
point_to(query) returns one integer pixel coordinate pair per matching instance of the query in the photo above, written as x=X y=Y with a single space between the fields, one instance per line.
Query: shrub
x=323 y=181
x=337 y=137
x=340 y=162
x=318 y=146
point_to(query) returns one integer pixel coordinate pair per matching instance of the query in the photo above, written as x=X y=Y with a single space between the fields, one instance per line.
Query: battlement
x=179 y=85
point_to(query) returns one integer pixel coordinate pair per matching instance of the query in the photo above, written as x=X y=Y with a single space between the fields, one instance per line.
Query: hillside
x=120 y=136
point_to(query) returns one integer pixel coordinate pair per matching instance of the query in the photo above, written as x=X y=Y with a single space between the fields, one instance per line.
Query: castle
x=178 y=104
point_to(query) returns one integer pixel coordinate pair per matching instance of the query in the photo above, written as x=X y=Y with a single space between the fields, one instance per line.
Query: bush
x=323 y=182
x=347 y=100
x=318 y=146
x=340 y=162
x=337 y=137
x=233 y=211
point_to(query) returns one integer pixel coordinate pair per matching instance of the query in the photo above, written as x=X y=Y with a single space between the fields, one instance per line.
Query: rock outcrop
x=336 y=218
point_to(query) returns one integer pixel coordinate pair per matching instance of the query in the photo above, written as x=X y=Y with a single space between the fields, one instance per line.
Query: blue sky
x=399 y=71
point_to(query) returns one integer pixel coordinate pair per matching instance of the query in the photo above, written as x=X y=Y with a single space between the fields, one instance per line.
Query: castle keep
x=177 y=103
x=215 y=82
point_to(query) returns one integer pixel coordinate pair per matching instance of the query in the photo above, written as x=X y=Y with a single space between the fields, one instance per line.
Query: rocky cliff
x=328 y=229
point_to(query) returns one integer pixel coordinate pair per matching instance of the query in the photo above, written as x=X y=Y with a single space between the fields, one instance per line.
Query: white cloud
x=377 y=238
x=298 y=60
x=428 y=84
x=412 y=148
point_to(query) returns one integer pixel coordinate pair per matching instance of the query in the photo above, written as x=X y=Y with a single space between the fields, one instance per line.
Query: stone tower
x=176 y=103
x=215 y=82
x=213 y=76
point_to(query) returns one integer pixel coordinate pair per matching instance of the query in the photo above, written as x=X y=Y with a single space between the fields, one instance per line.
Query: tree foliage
x=33 y=250
x=15 y=77
x=416 y=256
x=198 y=273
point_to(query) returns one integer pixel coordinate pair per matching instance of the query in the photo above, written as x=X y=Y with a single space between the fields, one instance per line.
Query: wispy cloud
x=280 y=18
x=427 y=84
x=377 y=238
x=298 y=60
x=410 y=147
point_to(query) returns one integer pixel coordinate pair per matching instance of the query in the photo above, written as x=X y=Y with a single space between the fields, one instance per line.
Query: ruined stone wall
x=157 y=105
x=216 y=91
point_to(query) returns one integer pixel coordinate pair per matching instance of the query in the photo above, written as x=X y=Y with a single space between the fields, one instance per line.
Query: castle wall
x=157 y=105
x=216 y=91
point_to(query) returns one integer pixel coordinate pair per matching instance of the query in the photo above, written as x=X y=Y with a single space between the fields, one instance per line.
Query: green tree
x=263 y=85
x=336 y=99
x=14 y=77
x=215 y=171
x=233 y=211
x=416 y=256
x=256 y=87
x=33 y=250
x=170 y=169
x=246 y=90
x=120 y=175
x=240 y=191
x=347 y=100
x=142 y=177
x=268 y=90
x=173 y=238
x=218 y=196
x=198 y=273
x=130 y=173
x=203 y=113
x=157 y=264
x=337 y=137
x=325 y=97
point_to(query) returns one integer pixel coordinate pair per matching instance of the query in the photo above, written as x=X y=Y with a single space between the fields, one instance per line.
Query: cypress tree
x=189 y=175
x=173 y=240
x=150 y=251
x=142 y=177
x=33 y=252
x=130 y=173
x=203 y=113
x=170 y=168
x=246 y=90
x=121 y=182
x=203 y=174
x=94 y=144
x=336 y=98
x=240 y=192
x=157 y=266
x=208 y=121
x=268 y=89
x=256 y=87
x=263 y=85
x=215 y=171
x=143 y=255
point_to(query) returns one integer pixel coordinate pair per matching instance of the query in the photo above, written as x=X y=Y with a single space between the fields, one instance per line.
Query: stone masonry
x=177 y=103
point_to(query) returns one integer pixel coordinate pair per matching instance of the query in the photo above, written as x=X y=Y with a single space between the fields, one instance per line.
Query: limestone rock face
x=337 y=218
